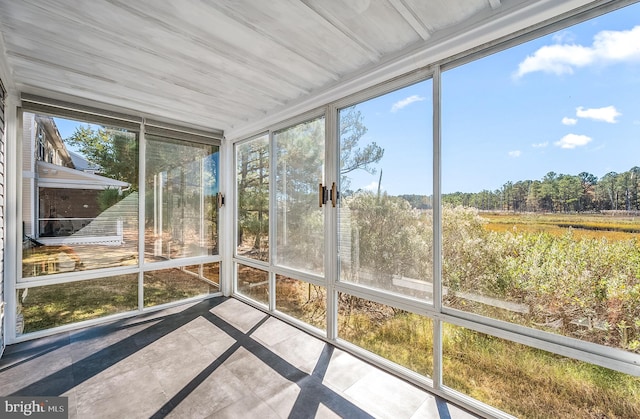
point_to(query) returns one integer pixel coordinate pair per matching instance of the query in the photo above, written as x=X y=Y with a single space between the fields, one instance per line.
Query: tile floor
x=218 y=358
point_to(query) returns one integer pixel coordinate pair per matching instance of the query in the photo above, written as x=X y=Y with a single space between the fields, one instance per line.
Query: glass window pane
x=302 y=300
x=207 y=271
x=253 y=283
x=79 y=196
x=252 y=177
x=540 y=184
x=181 y=206
x=399 y=336
x=521 y=380
x=386 y=177
x=168 y=285
x=50 y=306
x=300 y=220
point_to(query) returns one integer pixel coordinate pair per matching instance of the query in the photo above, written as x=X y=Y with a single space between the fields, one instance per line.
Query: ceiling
x=230 y=64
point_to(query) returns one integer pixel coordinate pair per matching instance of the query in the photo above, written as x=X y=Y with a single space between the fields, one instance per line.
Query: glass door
x=299 y=164
x=299 y=161
x=385 y=232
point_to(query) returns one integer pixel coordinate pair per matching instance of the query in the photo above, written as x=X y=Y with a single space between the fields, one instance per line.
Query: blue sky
x=67 y=127
x=568 y=102
x=401 y=123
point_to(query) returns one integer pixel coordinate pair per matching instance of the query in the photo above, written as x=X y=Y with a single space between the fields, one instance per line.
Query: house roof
x=82 y=164
x=231 y=64
x=54 y=176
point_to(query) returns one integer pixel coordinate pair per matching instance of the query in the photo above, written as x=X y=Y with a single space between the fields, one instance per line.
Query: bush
x=581 y=287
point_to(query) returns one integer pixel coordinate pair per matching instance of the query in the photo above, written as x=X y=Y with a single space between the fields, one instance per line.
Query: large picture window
x=79 y=196
x=386 y=207
x=181 y=205
x=540 y=184
x=81 y=226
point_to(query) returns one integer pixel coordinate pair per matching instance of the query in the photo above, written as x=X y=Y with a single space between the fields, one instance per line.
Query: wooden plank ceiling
x=216 y=63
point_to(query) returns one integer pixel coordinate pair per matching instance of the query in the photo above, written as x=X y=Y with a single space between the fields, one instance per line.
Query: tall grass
x=531 y=383
x=397 y=335
x=562 y=274
x=520 y=380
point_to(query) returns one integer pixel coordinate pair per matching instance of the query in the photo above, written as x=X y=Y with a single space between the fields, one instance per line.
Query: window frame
x=55 y=108
x=404 y=302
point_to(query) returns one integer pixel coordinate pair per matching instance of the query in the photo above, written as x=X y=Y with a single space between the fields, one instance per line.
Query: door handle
x=322 y=195
x=334 y=194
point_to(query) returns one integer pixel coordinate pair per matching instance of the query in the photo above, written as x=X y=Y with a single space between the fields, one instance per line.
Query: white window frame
x=13 y=253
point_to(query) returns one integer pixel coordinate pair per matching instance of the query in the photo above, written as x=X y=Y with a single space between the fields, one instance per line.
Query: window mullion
x=437 y=231
x=142 y=147
x=331 y=222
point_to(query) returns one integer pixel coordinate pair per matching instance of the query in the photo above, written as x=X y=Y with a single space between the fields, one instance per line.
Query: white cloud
x=556 y=59
x=564 y=36
x=563 y=58
x=570 y=141
x=606 y=114
x=406 y=102
x=373 y=186
x=515 y=153
x=540 y=145
x=569 y=121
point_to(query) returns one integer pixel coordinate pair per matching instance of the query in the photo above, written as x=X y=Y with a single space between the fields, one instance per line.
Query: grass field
x=597 y=226
x=520 y=380
x=60 y=304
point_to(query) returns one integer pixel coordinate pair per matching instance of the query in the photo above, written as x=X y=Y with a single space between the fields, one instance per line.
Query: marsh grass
x=394 y=334
x=592 y=226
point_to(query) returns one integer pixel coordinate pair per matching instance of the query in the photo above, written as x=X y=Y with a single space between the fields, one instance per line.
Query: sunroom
x=446 y=190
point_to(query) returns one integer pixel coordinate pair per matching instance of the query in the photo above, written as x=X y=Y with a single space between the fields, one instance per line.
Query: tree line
x=559 y=193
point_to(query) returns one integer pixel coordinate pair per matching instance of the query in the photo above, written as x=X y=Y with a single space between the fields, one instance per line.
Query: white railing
x=69 y=231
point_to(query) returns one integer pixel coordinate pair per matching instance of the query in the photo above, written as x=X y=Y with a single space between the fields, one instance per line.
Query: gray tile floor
x=217 y=358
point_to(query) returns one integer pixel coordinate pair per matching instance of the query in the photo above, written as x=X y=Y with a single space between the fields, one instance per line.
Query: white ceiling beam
x=405 y=11
x=372 y=53
x=245 y=21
